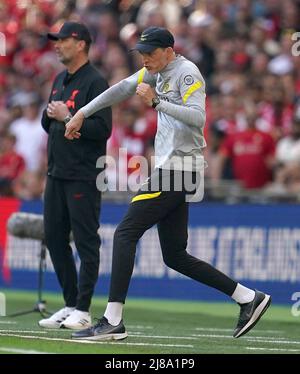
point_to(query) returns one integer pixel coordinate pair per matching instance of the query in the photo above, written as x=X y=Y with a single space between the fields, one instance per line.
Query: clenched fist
x=146 y=93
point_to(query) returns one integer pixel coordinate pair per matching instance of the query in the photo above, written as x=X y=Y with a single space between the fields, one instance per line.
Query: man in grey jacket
x=175 y=88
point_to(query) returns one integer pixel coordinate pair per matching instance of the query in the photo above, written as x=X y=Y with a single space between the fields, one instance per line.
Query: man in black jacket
x=72 y=201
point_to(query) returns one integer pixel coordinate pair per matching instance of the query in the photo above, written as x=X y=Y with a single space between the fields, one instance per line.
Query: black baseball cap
x=154 y=37
x=72 y=30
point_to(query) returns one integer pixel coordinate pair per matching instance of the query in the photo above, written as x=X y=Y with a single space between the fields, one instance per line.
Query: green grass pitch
x=154 y=327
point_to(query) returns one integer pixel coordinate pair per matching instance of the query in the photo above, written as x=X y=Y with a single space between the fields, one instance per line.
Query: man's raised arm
x=113 y=95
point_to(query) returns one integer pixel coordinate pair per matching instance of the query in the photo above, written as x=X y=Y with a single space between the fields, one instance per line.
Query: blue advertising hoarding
x=258 y=245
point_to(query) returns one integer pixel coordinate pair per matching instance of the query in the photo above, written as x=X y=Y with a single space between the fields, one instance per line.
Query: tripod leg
x=21 y=313
x=42 y=268
x=40 y=305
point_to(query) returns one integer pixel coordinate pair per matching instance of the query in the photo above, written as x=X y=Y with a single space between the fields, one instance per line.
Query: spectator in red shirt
x=251 y=153
x=11 y=163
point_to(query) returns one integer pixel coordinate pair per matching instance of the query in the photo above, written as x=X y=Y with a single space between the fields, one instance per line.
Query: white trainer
x=77 y=320
x=56 y=319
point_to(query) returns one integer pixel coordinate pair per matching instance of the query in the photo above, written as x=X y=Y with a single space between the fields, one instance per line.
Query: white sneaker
x=77 y=320
x=56 y=319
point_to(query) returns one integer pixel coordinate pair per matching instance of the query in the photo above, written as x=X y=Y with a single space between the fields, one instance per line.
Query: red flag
x=7 y=207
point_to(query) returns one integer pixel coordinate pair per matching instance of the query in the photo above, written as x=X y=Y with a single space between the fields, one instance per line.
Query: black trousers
x=73 y=205
x=169 y=210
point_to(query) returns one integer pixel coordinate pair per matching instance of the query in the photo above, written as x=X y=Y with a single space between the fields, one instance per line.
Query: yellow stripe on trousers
x=145 y=196
x=192 y=89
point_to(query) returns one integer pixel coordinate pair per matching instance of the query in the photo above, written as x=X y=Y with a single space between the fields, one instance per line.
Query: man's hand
x=74 y=125
x=57 y=110
x=146 y=93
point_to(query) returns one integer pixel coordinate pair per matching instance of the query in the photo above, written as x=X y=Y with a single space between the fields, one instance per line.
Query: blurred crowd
x=246 y=50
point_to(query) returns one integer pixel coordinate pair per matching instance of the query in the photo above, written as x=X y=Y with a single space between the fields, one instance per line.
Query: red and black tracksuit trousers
x=73 y=206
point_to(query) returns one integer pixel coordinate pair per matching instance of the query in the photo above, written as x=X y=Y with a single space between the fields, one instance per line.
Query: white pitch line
x=212 y=336
x=230 y=330
x=56 y=329
x=257 y=339
x=24 y=351
x=25 y=331
x=138 y=335
x=196 y=336
x=272 y=349
x=139 y=327
x=264 y=337
x=230 y=337
x=7 y=323
x=98 y=342
x=277 y=341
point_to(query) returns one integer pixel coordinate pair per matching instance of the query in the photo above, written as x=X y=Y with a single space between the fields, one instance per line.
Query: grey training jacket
x=181 y=112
